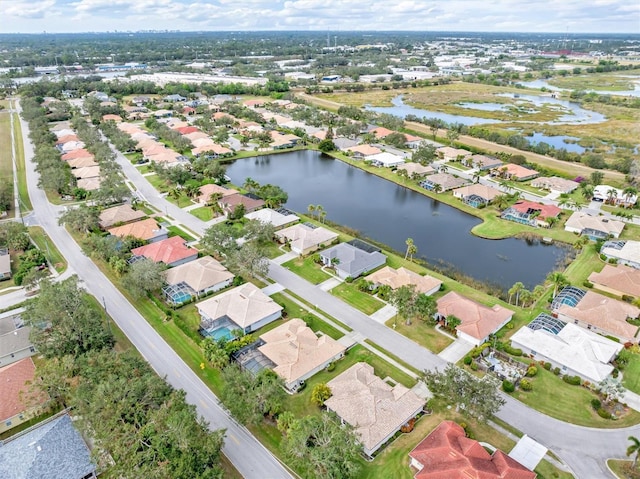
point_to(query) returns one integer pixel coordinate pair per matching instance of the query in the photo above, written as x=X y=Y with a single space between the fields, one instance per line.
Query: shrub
x=510 y=325
x=474 y=366
x=532 y=371
x=627 y=298
x=547 y=366
x=331 y=366
x=526 y=385
x=615 y=372
x=468 y=360
x=556 y=371
x=573 y=380
x=596 y=404
x=604 y=414
x=348 y=279
x=508 y=386
x=587 y=284
x=603 y=257
x=513 y=351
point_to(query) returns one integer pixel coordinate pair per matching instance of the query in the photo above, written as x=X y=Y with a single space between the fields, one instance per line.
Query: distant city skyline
x=563 y=16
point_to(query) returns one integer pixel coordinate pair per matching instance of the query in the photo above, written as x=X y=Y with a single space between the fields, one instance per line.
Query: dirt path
x=572 y=169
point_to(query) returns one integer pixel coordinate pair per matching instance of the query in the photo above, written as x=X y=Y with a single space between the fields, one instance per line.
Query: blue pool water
x=181 y=298
x=220 y=333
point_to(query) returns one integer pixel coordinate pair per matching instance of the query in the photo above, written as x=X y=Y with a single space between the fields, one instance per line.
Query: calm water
x=545 y=84
x=557 y=142
x=390 y=214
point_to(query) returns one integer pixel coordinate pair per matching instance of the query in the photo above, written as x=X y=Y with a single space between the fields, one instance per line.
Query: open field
x=597 y=81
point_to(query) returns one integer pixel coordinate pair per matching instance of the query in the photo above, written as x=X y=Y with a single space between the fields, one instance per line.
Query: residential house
x=171 y=251
x=114 y=118
x=185 y=130
x=364 y=150
x=620 y=280
x=555 y=184
x=194 y=279
x=351 y=261
x=416 y=170
x=146 y=230
x=53 y=449
x=442 y=182
x=119 y=215
x=66 y=138
x=575 y=350
x=477 y=320
x=245 y=307
x=81 y=153
x=212 y=150
x=17 y=403
x=281 y=140
x=594 y=227
x=396 y=278
x=375 y=409
x=476 y=194
x=89 y=184
x=15 y=345
x=385 y=159
x=596 y=312
x=344 y=144
x=511 y=171
x=614 y=196
x=82 y=163
x=623 y=252
x=448 y=153
x=229 y=203
x=447 y=453
x=209 y=189
x=381 y=132
x=482 y=162
x=86 y=172
x=298 y=352
x=5 y=264
x=306 y=238
x=277 y=218
x=412 y=141
x=531 y=213
x=174 y=98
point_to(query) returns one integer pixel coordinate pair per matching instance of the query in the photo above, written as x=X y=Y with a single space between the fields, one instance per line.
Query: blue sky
x=573 y=16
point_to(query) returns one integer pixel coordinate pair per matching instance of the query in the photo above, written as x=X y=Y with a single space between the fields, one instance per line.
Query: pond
x=389 y=214
x=558 y=141
x=545 y=84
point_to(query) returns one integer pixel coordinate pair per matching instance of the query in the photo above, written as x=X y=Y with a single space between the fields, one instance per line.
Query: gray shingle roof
x=54 y=450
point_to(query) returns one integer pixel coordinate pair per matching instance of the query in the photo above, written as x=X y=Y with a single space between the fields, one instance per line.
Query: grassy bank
x=53 y=255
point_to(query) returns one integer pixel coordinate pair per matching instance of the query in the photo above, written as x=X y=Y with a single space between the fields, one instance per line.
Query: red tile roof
x=446 y=453
x=166 y=251
x=80 y=153
x=546 y=211
x=185 y=130
x=231 y=201
x=381 y=132
x=14 y=393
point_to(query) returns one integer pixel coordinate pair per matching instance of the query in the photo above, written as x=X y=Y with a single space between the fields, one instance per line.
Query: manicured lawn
x=362 y=301
x=552 y=396
x=422 y=333
x=307 y=269
x=204 y=213
x=175 y=231
x=181 y=201
x=25 y=202
x=49 y=249
x=272 y=250
x=631 y=374
x=158 y=183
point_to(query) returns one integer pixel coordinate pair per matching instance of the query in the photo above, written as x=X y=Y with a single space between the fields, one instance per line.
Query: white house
x=385 y=159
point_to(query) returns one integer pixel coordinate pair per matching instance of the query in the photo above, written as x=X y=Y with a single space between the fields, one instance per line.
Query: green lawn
x=585 y=263
x=158 y=183
x=204 y=213
x=552 y=396
x=49 y=249
x=359 y=300
x=25 y=202
x=175 y=231
x=181 y=201
x=631 y=374
x=422 y=333
x=618 y=466
x=307 y=269
x=6 y=157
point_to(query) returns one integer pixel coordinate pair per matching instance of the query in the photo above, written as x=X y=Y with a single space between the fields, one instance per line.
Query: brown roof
x=381 y=132
x=604 y=313
x=446 y=453
x=86 y=172
x=546 y=211
x=478 y=320
x=82 y=162
x=14 y=393
x=395 y=278
x=231 y=201
x=374 y=408
x=207 y=190
x=144 y=229
x=296 y=350
x=620 y=278
x=81 y=153
x=66 y=138
x=166 y=251
x=416 y=168
x=555 y=183
x=116 y=118
x=487 y=193
x=517 y=171
x=119 y=214
x=365 y=149
x=199 y=274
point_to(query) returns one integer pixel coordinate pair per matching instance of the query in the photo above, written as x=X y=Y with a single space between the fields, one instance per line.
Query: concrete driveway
x=456 y=351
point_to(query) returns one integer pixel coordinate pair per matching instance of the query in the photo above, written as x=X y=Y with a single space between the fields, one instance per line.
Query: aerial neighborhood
x=304 y=257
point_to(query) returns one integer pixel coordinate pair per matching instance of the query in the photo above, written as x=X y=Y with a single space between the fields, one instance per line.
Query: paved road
x=247 y=454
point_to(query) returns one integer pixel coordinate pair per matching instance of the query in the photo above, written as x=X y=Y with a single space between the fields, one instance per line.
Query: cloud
x=29 y=9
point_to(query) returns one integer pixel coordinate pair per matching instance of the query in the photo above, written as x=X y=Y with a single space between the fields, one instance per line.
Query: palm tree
x=587 y=191
x=515 y=289
x=411 y=248
x=558 y=280
x=628 y=193
x=319 y=210
x=192 y=190
x=444 y=168
x=323 y=215
x=476 y=176
x=311 y=209
x=437 y=188
x=250 y=185
x=501 y=201
x=634 y=449
x=611 y=194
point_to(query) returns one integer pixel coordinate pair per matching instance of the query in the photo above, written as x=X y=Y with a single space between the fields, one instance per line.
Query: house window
x=8 y=422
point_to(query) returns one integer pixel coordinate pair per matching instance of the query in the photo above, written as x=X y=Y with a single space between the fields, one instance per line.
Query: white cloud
x=28 y=9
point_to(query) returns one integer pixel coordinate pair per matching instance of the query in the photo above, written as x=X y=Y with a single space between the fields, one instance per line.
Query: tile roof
x=86 y=172
x=517 y=171
x=581 y=221
x=296 y=350
x=381 y=132
x=14 y=393
x=395 y=278
x=5 y=263
x=53 y=450
x=478 y=320
x=119 y=214
x=374 y=408
x=303 y=237
x=546 y=211
x=244 y=305
x=14 y=341
x=555 y=183
x=365 y=149
x=446 y=180
x=620 y=278
x=143 y=229
x=231 y=201
x=352 y=260
x=485 y=192
x=199 y=274
x=85 y=162
x=416 y=168
x=273 y=217
x=89 y=184
x=446 y=453
x=207 y=190
x=167 y=251
x=81 y=153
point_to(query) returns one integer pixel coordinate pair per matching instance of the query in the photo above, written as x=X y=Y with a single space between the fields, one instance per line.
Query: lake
x=390 y=213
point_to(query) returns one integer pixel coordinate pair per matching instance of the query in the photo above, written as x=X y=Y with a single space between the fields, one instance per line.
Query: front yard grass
x=307 y=268
x=631 y=374
x=204 y=213
x=175 y=231
x=552 y=396
x=422 y=333
x=359 y=300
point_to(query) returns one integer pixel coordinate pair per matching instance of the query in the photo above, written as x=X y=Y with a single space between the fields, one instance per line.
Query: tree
x=611 y=389
x=437 y=188
x=63 y=321
x=587 y=191
x=215 y=353
x=515 y=289
x=6 y=196
x=321 y=392
x=452 y=135
x=144 y=276
x=411 y=248
x=452 y=322
x=612 y=194
x=634 y=449
x=596 y=177
x=259 y=232
x=221 y=239
x=558 y=280
x=476 y=397
x=327 y=145
x=396 y=139
x=82 y=219
x=238 y=212
x=412 y=304
x=323 y=447
x=14 y=236
x=628 y=193
x=249 y=260
x=311 y=209
x=424 y=154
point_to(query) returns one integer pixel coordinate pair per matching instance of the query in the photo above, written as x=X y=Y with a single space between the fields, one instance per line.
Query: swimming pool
x=219 y=333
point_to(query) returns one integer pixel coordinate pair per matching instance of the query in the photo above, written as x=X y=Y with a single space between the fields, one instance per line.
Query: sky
x=564 y=16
